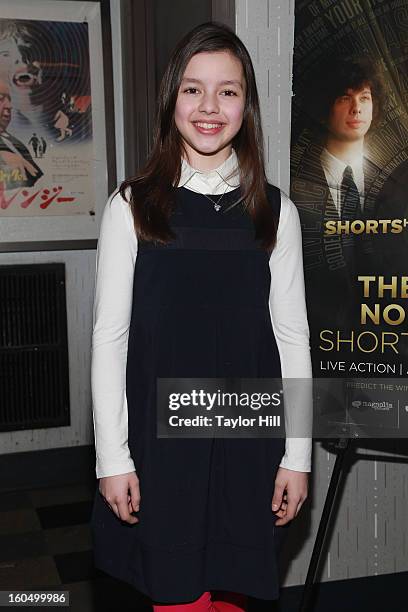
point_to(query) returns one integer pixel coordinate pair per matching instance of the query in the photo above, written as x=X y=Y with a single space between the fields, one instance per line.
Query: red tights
x=222 y=602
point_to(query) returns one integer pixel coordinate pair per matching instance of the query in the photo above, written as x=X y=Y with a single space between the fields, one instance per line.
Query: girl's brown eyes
x=194 y=89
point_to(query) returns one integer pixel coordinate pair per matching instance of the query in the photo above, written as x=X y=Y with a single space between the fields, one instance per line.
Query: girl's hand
x=122 y=494
x=289 y=494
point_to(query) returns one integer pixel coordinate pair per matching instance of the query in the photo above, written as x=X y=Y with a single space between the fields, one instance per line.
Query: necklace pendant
x=217 y=207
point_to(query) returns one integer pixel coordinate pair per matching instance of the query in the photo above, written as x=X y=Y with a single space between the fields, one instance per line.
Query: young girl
x=199 y=274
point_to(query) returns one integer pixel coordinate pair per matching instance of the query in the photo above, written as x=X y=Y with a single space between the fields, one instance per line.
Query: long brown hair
x=151 y=192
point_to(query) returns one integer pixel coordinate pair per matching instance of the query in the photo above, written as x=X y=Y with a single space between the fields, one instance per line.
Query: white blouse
x=115 y=261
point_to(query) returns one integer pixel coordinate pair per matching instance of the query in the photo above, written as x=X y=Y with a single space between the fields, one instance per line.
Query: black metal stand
x=342 y=445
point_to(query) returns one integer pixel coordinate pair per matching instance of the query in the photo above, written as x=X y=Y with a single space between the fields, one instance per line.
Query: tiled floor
x=45 y=543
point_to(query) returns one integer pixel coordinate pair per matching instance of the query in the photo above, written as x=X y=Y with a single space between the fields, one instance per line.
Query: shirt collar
x=226 y=173
x=335 y=166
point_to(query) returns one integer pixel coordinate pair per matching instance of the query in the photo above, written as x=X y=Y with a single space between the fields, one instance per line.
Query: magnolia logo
x=356 y=404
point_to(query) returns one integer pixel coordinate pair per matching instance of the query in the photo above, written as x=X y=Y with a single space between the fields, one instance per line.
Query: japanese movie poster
x=349 y=181
x=46 y=145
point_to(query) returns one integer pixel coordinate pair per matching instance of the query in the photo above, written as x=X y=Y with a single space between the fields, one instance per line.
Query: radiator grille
x=34 y=377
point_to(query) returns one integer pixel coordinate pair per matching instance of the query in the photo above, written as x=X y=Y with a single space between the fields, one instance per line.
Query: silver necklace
x=216 y=204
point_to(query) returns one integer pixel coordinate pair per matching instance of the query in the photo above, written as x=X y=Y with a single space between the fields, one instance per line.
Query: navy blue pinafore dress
x=200 y=309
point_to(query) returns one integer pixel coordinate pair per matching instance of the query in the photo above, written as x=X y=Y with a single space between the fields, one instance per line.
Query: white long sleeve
x=115 y=260
x=116 y=256
x=289 y=321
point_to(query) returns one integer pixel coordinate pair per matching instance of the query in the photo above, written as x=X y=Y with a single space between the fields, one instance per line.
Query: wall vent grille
x=34 y=375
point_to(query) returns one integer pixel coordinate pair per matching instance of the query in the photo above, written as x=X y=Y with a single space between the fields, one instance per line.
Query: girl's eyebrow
x=231 y=82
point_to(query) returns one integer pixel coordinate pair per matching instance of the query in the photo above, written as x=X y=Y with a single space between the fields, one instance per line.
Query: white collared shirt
x=333 y=168
x=115 y=260
x=213 y=182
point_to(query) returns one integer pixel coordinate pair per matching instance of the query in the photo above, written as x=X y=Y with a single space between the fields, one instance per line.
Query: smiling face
x=351 y=115
x=210 y=107
x=5 y=106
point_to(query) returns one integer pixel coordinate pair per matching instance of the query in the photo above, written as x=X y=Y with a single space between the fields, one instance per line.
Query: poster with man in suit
x=349 y=159
x=331 y=183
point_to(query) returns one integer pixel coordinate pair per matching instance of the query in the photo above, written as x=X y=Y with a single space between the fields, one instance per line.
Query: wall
x=80 y=266
x=369 y=535
x=172 y=20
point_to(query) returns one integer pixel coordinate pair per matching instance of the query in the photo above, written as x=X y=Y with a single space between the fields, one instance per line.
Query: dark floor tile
x=29 y=574
x=22 y=545
x=53 y=496
x=15 y=501
x=22 y=520
x=81 y=596
x=111 y=595
x=63 y=515
x=75 y=566
x=261 y=605
x=373 y=593
x=72 y=538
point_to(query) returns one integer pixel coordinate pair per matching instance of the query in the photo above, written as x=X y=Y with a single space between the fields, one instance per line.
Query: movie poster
x=46 y=145
x=349 y=181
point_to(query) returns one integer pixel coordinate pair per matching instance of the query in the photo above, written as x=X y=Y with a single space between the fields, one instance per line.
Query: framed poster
x=349 y=180
x=56 y=171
